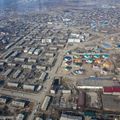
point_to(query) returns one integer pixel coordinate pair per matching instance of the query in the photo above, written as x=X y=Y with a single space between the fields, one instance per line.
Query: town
x=60 y=64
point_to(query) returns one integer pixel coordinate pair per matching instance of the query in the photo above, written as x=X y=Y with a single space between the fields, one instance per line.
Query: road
x=47 y=85
x=37 y=98
x=16 y=42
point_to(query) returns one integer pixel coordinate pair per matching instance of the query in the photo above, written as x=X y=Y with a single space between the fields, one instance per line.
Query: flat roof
x=111 y=102
x=69 y=117
x=97 y=82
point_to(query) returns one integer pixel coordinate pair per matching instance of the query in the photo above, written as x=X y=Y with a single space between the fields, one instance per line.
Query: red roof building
x=111 y=90
x=116 y=89
x=108 y=89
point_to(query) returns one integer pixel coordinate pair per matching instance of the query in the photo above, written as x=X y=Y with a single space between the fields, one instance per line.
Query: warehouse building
x=62 y=41
x=48 y=54
x=81 y=100
x=2 y=63
x=27 y=66
x=113 y=90
x=32 y=42
x=7 y=117
x=46 y=103
x=60 y=45
x=74 y=35
x=95 y=83
x=17 y=59
x=52 y=48
x=55 y=86
x=17 y=74
x=30 y=60
x=66 y=91
x=43 y=76
x=29 y=87
x=38 y=118
x=48 y=40
x=19 y=103
x=9 y=45
x=70 y=117
x=8 y=54
x=8 y=72
x=51 y=61
x=37 y=51
x=11 y=64
x=15 y=54
x=73 y=40
x=31 y=51
x=26 y=49
x=20 y=116
x=39 y=88
x=12 y=84
x=111 y=103
x=3 y=100
x=41 y=67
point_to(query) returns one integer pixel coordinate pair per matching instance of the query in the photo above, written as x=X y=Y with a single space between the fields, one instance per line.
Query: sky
x=21 y=5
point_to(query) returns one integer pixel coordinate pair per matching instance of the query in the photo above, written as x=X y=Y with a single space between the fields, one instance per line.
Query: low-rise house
x=111 y=103
x=19 y=103
x=20 y=117
x=45 y=103
x=12 y=84
x=29 y=87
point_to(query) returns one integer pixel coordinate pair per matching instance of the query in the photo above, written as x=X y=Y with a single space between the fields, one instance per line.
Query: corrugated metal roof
x=108 y=89
x=111 y=89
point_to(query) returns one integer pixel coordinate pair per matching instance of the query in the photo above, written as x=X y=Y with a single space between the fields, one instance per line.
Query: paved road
x=16 y=42
x=37 y=98
x=47 y=84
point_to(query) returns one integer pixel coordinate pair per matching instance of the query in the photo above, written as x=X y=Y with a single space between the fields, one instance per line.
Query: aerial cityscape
x=59 y=60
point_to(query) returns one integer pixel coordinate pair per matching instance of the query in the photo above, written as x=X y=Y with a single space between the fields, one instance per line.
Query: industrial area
x=60 y=64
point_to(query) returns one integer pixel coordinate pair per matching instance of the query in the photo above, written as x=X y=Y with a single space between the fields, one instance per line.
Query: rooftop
x=69 y=117
x=111 y=102
x=97 y=82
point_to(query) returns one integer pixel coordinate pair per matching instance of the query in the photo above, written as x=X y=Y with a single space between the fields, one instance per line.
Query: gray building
x=70 y=117
x=17 y=73
x=18 y=103
x=29 y=87
x=8 y=72
x=111 y=103
x=12 y=84
x=45 y=103
x=43 y=76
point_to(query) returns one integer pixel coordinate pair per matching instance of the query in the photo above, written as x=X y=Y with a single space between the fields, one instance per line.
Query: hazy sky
x=19 y=5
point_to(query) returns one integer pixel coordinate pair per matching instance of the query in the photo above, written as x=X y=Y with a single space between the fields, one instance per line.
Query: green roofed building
x=87 y=56
x=105 y=56
x=89 y=60
x=89 y=113
x=96 y=56
x=68 y=68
